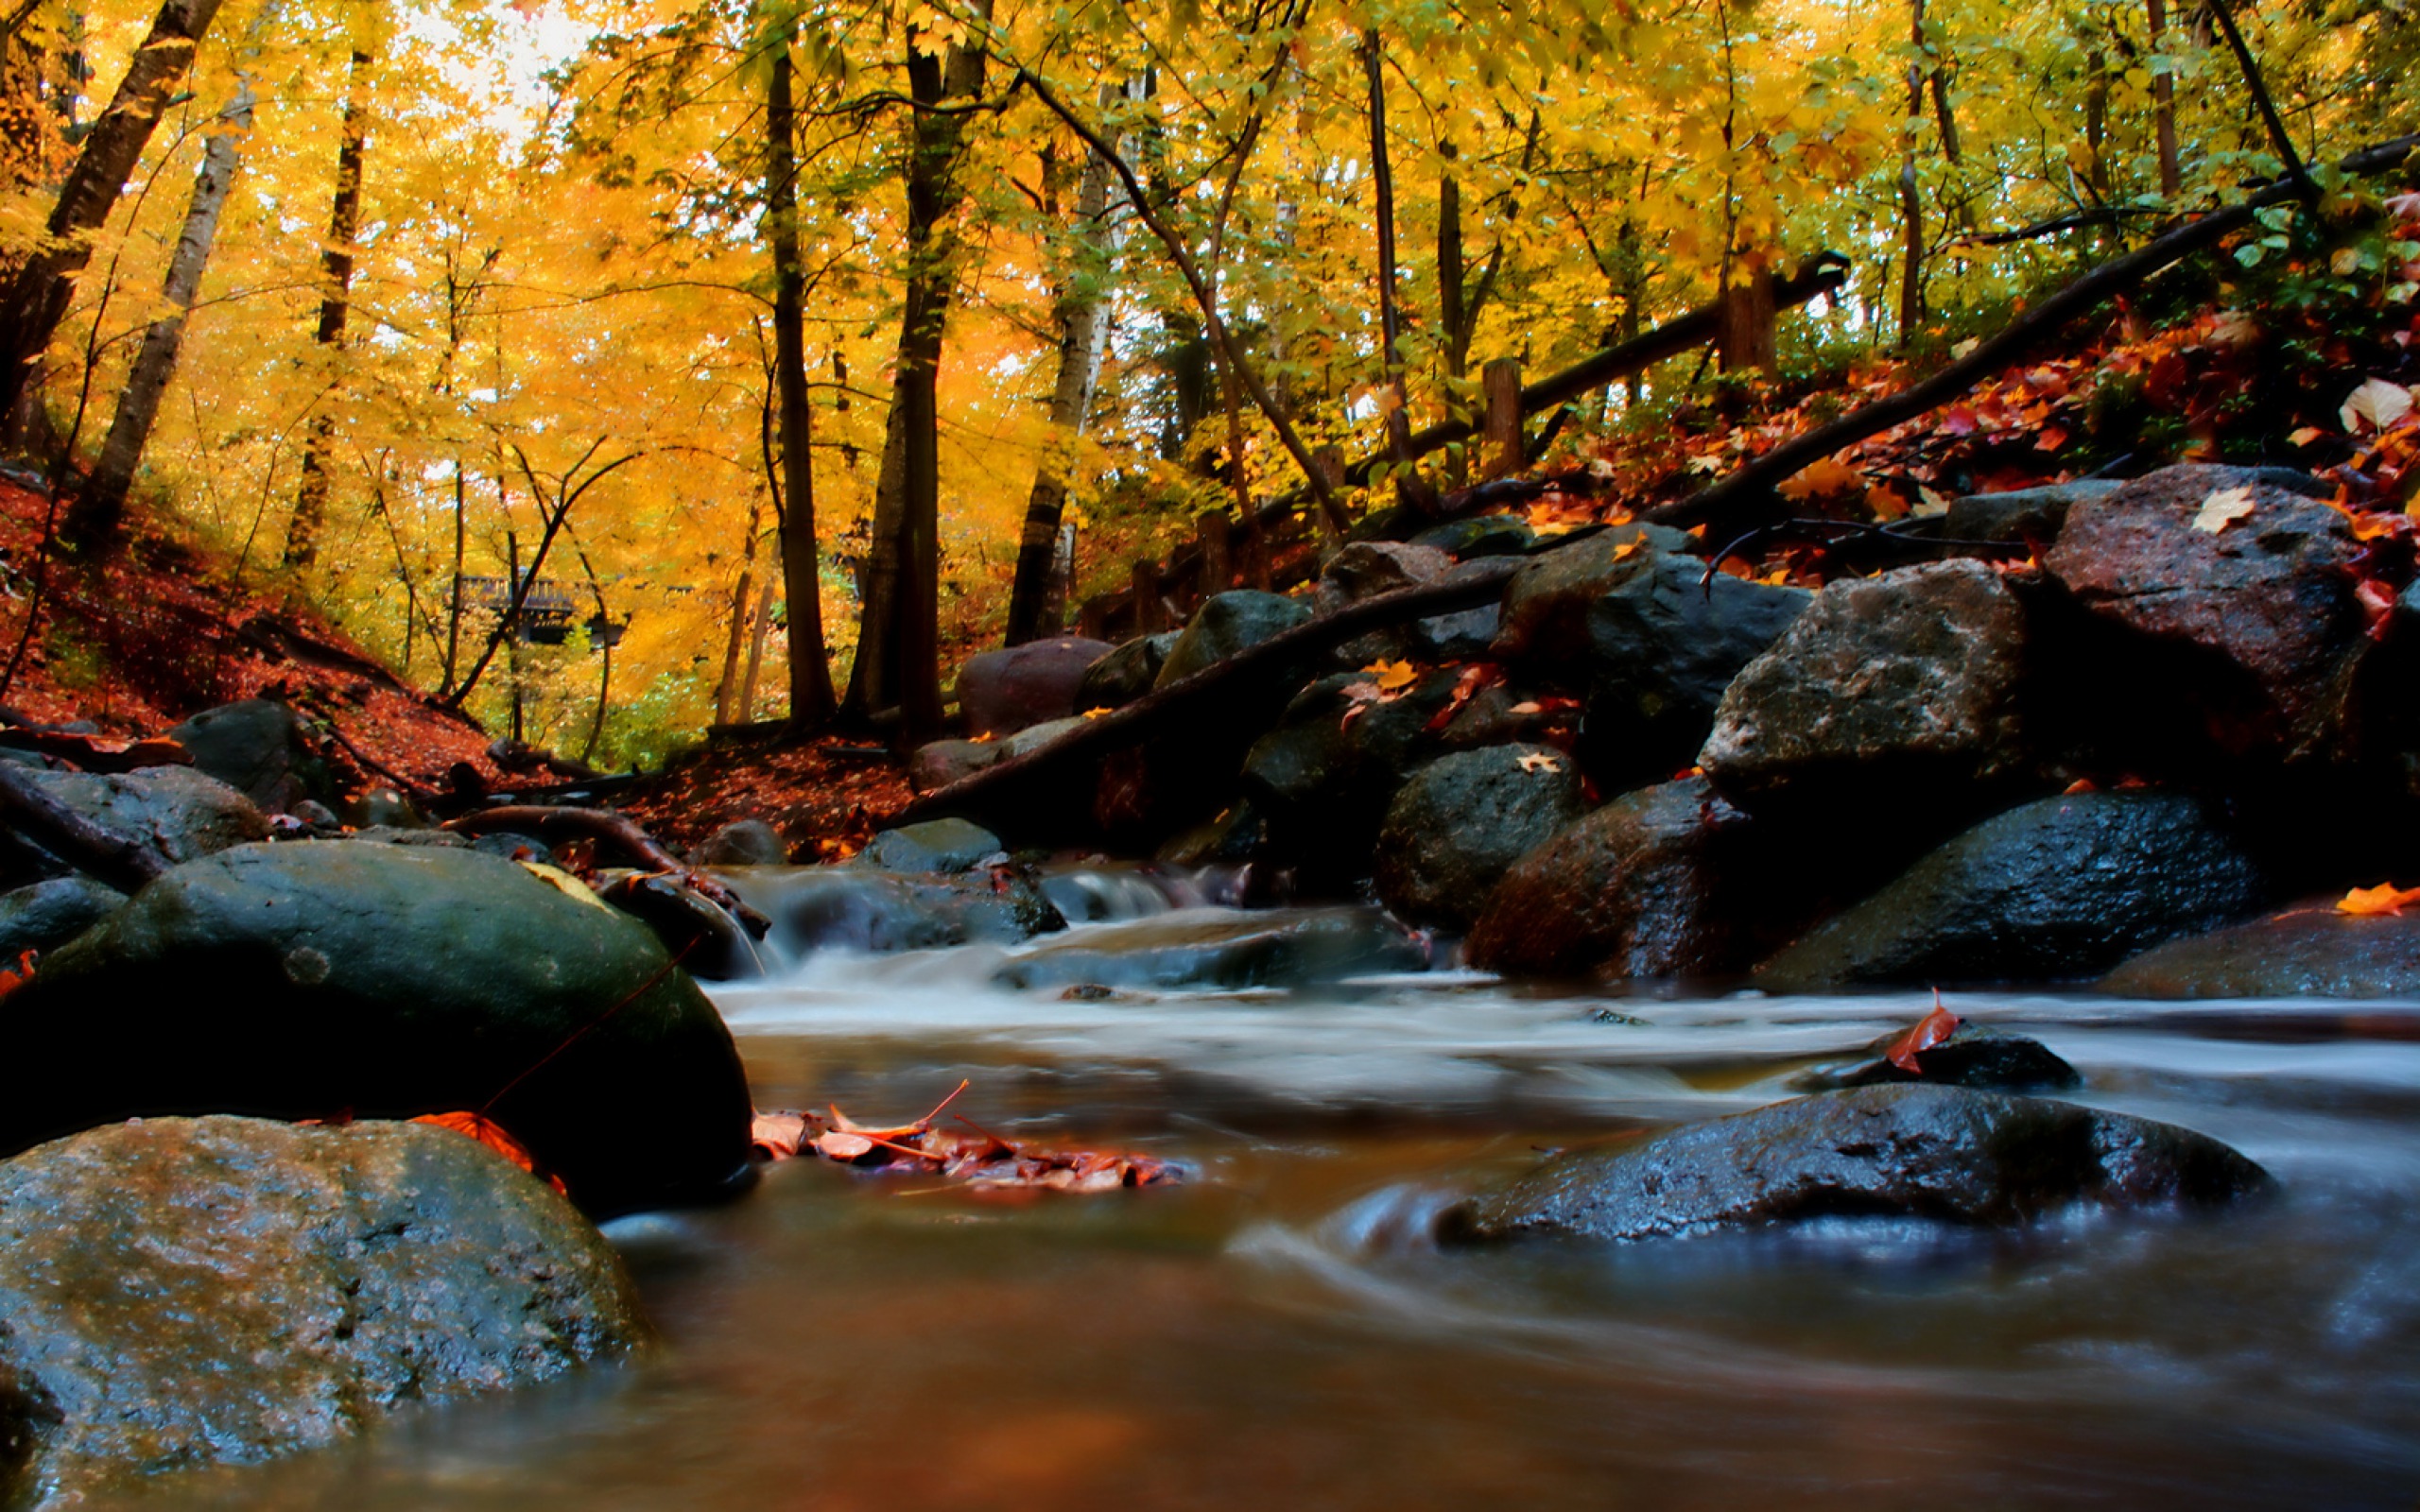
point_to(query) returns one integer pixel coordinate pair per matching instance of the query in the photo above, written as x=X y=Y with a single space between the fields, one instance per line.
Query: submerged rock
x=2062 y=888
x=1903 y=688
x=1002 y=692
x=183 y=1292
x=1915 y=1151
x=1463 y=821
x=1972 y=1055
x=315 y=977
x=864 y=908
x=1203 y=948
x=2308 y=950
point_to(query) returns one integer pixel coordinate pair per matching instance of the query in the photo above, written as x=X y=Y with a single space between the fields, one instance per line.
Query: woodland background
x=674 y=276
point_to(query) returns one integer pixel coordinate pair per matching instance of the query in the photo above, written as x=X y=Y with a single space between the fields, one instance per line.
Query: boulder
x=1125 y=674
x=1463 y=821
x=1545 y=605
x=256 y=746
x=1220 y=949
x=2058 y=888
x=1002 y=692
x=744 y=843
x=1033 y=737
x=2248 y=627
x=940 y=762
x=1322 y=781
x=1235 y=833
x=2308 y=950
x=1481 y=534
x=1972 y=1055
x=1369 y=568
x=1662 y=650
x=175 y=812
x=708 y=941
x=183 y=1292
x=1667 y=881
x=936 y=845
x=49 y=914
x=1461 y=636
x=2033 y=515
x=867 y=909
x=1942 y=1153
x=1903 y=688
x=1226 y=624
x=315 y=977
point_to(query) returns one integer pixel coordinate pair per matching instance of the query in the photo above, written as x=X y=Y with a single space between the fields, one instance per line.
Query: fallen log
x=124 y=864
x=1747 y=496
x=1006 y=786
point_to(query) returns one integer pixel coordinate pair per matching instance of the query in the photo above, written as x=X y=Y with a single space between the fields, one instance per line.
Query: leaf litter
x=972 y=1156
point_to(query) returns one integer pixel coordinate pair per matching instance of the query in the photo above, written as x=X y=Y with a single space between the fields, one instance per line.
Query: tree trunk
x=764 y=623
x=93 y=520
x=336 y=307
x=1912 y=207
x=36 y=297
x=2172 y=177
x=811 y=700
x=454 y=599
x=1410 y=491
x=1083 y=329
x=898 y=636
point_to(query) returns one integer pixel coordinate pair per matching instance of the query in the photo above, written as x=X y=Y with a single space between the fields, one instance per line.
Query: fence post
x=1750 y=330
x=1500 y=433
x=1091 y=618
x=1147 y=596
x=1214 y=530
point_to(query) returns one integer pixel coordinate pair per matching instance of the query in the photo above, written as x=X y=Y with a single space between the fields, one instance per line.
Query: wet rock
x=1545 y=605
x=1661 y=652
x=2308 y=950
x=2251 y=627
x=2022 y=514
x=1235 y=833
x=1226 y=624
x=382 y=807
x=49 y=914
x=1125 y=674
x=183 y=1292
x=1322 y=783
x=701 y=934
x=862 y=908
x=175 y=812
x=1972 y=1055
x=1025 y=741
x=1458 y=637
x=256 y=746
x=1903 y=688
x=940 y=762
x=1460 y=823
x=936 y=845
x=308 y=978
x=1206 y=948
x=509 y=845
x=744 y=843
x=1002 y=692
x=1481 y=534
x=2058 y=888
x=1667 y=881
x=1369 y=568
x=1941 y=1153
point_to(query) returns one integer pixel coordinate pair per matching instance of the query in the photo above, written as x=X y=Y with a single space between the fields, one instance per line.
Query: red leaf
x=1925 y=1033
x=494 y=1136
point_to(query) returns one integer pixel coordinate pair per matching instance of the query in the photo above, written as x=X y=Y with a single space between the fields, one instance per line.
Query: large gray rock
x=1365 y=570
x=174 y=812
x=1125 y=674
x=1662 y=650
x=1463 y=821
x=869 y=909
x=1217 y=948
x=2060 y=887
x=1667 y=881
x=49 y=914
x=183 y=1292
x=1903 y=687
x=935 y=845
x=1481 y=535
x=1002 y=692
x=1226 y=624
x=938 y=764
x=2258 y=619
x=744 y=843
x=1545 y=605
x=256 y=746
x=1324 y=774
x=2033 y=515
x=1940 y=1153
x=2308 y=951
x=310 y=978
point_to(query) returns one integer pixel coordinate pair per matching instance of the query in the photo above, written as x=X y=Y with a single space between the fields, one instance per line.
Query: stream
x=1276 y=1332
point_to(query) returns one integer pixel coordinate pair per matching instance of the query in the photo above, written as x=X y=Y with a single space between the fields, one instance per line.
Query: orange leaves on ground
x=1475 y=677
x=2384 y=898
x=1823 y=479
x=1926 y=1032
x=17 y=976
x=494 y=1136
x=1538 y=761
x=973 y=1154
x=1392 y=677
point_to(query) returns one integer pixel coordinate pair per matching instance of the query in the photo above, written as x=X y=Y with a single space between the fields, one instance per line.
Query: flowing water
x=1275 y=1333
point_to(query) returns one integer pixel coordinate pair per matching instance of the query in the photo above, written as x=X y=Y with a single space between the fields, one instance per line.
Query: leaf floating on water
x=1926 y=1032
x=2223 y=507
x=2384 y=898
x=974 y=1156
x=778 y=1135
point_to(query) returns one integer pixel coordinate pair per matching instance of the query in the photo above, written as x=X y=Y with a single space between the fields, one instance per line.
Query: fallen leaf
x=565 y=883
x=2223 y=507
x=2363 y=903
x=778 y=1135
x=2050 y=439
x=1926 y=1032
x=1932 y=501
x=1885 y=502
x=1538 y=761
x=1393 y=677
x=2378 y=402
x=1629 y=548
x=1480 y=675
x=1821 y=479
x=15 y=976
x=2082 y=784
x=2304 y=434
x=494 y=1136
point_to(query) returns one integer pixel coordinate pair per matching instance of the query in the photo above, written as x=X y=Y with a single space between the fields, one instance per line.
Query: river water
x=1275 y=1333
